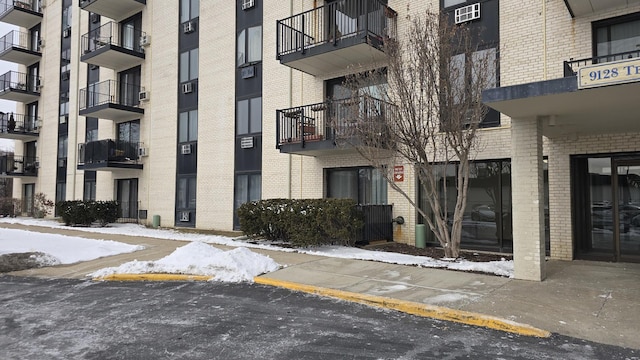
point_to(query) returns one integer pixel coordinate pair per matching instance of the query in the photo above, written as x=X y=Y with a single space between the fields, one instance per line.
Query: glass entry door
x=627 y=196
x=606 y=204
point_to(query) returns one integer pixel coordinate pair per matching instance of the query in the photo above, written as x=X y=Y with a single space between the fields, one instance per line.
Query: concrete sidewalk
x=595 y=301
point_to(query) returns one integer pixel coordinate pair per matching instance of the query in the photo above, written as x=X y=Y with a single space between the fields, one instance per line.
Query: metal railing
x=331 y=119
x=17 y=39
x=14 y=80
x=110 y=92
x=8 y=5
x=18 y=165
x=112 y=33
x=571 y=66
x=378 y=223
x=108 y=150
x=335 y=21
x=19 y=123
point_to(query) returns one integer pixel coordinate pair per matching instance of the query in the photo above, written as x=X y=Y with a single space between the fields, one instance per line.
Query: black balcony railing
x=571 y=67
x=108 y=151
x=378 y=223
x=8 y=5
x=16 y=39
x=18 y=123
x=330 y=120
x=109 y=92
x=14 y=80
x=18 y=165
x=335 y=21
x=111 y=33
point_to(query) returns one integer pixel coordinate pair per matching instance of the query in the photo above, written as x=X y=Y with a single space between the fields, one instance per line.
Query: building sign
x=615 y=72
x=398 y=173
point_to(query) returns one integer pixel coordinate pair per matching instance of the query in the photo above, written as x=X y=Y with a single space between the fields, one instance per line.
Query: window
x=89 y=192
x=248 y=188
x=365 y=185
x=249 y=116
x=64 y=112
x=189 y=9
x=186 y=193
x=129 y=131
x=250 y=45
x=617 y=36
x=188 y=126
x=61 y=191
x=189 y=65
x=62 y=146
x=66 y=17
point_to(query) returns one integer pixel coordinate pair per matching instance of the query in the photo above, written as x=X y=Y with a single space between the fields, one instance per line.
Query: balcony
x=113 y=47
x=21 y=87
x=15 y=48
x=22 y=13
x=19 y=127
x=335 y=36
x=108 y=155
x=597 y=95
x=111 y=100
x=17 y=166
x=336 y=125
x=114 y=9
x=578 y=8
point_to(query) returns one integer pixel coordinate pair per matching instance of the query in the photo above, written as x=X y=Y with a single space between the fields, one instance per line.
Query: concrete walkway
x=595 y=301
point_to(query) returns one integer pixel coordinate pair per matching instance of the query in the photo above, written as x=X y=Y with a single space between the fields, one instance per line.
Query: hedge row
x=303 y=222
x=77 y=212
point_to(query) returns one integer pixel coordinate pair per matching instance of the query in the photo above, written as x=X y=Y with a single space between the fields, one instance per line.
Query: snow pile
x=198 y=258
x=61 y=249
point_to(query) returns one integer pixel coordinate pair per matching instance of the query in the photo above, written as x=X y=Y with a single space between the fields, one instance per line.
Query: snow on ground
x=197 y=258
x=501 y=268
x=61 y=249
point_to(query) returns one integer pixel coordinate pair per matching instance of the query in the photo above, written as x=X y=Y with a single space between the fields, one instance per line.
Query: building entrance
x=606 y=200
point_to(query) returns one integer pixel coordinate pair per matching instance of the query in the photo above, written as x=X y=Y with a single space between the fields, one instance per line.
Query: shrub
x=41 y=206
x=10 y=206
x=77 y=212
x=304 y=222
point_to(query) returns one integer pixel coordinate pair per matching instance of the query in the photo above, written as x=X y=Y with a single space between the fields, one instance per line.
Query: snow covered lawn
x=501 y=268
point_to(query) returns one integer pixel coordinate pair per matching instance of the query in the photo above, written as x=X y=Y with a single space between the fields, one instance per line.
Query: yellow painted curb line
x=414 y=308
x=153 y=277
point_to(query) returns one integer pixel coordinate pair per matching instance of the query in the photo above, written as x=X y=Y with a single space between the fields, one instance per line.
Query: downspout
x=544 y=39
x=289 y=169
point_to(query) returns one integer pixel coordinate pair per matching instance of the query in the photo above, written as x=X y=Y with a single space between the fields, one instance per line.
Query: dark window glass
x=617 y=38
x=364 y=185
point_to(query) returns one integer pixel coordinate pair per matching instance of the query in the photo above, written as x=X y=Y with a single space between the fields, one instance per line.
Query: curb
x=414 y=308
x=153 y=277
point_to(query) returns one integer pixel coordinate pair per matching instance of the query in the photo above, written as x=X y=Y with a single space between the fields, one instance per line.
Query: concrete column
x=528 y=199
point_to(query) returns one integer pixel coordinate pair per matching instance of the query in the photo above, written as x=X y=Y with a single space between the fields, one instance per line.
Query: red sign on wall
x=398 y=173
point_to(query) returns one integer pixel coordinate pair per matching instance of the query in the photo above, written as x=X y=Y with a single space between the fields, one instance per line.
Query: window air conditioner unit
x=40 y=43
x=66 y=32
x=467 y=13
x=187 y=88
x=188 y=27
x=95 y=18
x=145 y=40
x=65 y=75
x=143 y=151
x=184 y=216
x=61 y=162
x=185 y=149
x=143 y=96
x=247 y=4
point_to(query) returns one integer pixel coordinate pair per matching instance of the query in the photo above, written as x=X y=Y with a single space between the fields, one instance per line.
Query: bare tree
x=426 y=112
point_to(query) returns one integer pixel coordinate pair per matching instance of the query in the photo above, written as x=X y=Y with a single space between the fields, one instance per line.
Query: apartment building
x=184 y=110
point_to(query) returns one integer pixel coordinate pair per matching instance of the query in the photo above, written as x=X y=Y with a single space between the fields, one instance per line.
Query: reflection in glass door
x=628 y=198
x=606 y=206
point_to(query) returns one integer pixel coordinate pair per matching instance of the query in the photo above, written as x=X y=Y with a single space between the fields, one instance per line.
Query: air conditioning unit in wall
x=184 y=216
x=66 y=32
x=247 y=4
x=40 y=43
x=145 y=40
x=143 y=151
x=188 y=27
x=95 y=18
x=185 y=149
x=143 y=96
x=467 y=13
x=187 y=88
